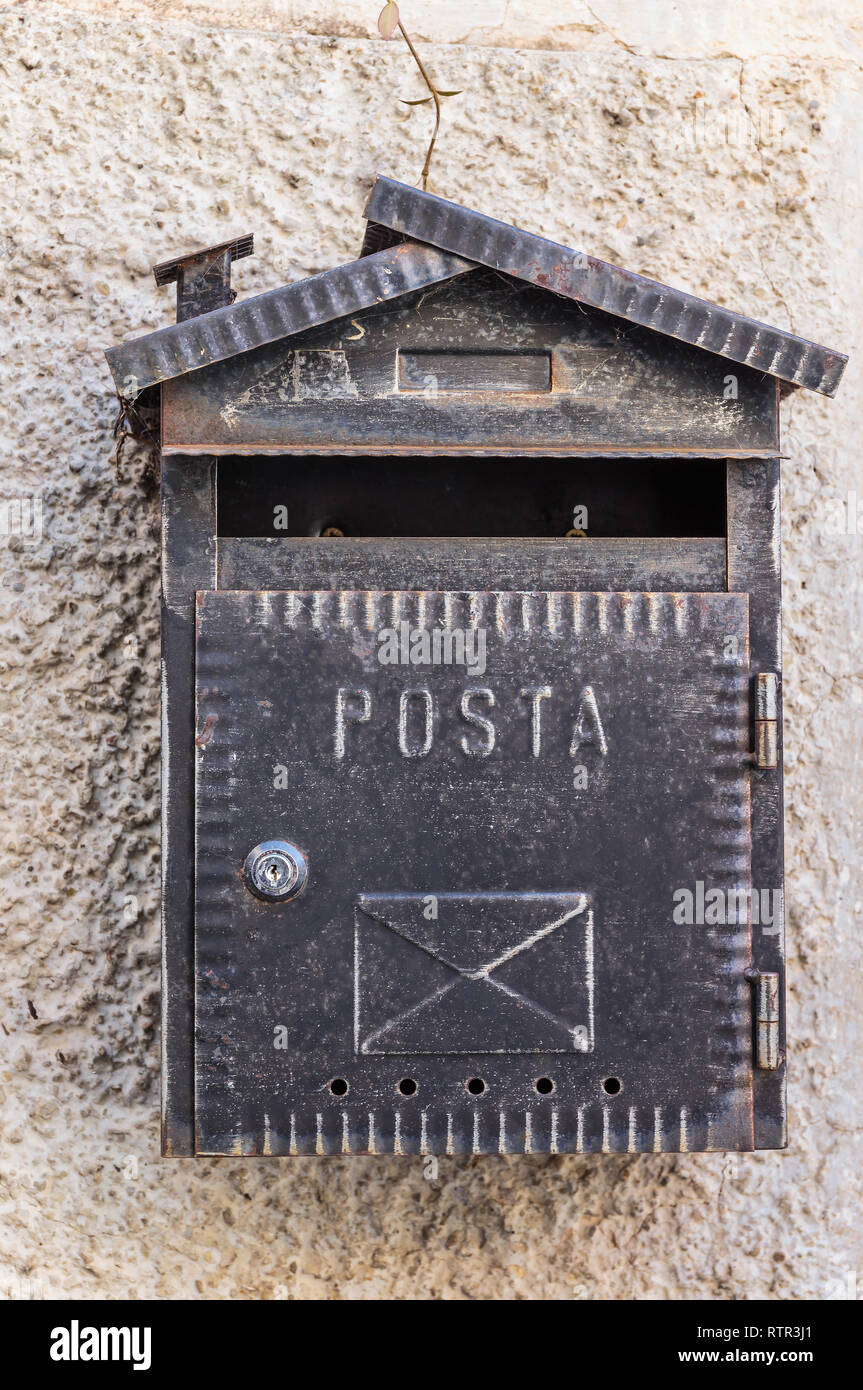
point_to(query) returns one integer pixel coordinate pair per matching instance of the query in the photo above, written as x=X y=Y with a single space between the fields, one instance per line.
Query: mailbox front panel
x=481 y=365
x=501 y=802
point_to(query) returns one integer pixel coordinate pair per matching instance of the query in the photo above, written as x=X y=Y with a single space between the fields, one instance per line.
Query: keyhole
x=275 y=871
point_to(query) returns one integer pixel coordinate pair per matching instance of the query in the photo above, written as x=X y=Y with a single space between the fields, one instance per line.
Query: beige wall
x=128 y=131
x=671 y=28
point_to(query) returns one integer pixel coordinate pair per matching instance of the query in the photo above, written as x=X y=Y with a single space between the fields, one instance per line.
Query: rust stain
x=206 y=733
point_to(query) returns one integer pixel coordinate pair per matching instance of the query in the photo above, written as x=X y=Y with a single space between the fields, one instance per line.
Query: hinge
x=765 y=991
x=766 y=720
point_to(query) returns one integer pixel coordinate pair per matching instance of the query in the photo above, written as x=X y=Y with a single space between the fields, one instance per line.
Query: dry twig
x=388 y=22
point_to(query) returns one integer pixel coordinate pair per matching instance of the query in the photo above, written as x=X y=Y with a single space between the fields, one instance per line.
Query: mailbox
x=472 y=735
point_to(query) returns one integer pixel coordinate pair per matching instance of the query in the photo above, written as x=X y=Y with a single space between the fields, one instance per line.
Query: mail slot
x=472 y=738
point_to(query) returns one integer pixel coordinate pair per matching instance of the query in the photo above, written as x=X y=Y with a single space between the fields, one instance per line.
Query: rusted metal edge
x=411 y=450
x=265 y=318
x=575 y=275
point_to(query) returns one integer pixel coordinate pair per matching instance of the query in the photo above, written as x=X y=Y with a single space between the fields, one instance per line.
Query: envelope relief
x=473 y=973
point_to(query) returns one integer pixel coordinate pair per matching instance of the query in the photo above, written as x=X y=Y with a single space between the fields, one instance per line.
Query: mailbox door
x=523 y=819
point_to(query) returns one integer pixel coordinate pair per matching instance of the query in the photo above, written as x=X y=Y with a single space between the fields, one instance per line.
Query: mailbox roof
x=575 y=275
x=436 y=240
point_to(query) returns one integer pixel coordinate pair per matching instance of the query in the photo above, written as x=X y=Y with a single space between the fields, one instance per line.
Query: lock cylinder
x=275 y=871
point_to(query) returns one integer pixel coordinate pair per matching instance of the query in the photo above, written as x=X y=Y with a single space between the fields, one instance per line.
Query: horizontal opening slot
x=292 y=497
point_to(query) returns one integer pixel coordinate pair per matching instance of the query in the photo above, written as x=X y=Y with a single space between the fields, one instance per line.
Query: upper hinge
x=766 y=720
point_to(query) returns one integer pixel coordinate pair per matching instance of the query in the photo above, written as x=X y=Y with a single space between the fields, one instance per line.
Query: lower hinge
x=765 y=992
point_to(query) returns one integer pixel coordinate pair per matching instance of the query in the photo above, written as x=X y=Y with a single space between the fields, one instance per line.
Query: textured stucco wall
x=128 y=133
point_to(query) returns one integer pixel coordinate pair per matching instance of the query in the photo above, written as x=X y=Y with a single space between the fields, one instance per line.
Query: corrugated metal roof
x=578 y=276
x=456 y=240
x=346 y=289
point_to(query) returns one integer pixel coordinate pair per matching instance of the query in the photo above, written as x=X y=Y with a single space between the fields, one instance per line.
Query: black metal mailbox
x=472 y=687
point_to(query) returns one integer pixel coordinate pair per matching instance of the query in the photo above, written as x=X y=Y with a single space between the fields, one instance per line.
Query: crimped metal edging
x=603 y=286
x=336 y=293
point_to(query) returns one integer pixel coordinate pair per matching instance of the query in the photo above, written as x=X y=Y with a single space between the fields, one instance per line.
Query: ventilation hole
x=476 y=1085
x=339 y=1086
x=408 y=1086
x=544 y=1085
x=611 y=1085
